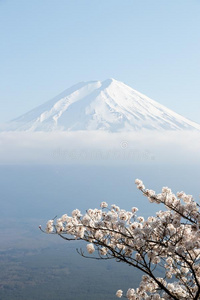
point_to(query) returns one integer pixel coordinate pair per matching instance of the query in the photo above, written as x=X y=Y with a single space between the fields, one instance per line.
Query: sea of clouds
x=99 y=147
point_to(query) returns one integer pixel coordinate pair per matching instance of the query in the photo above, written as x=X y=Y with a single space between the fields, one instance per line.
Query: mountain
x=109 y=106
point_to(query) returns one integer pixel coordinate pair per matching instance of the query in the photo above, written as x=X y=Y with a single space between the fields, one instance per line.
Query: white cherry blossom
x=168 y=241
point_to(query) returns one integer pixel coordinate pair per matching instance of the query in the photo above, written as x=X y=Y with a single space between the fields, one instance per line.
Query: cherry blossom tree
x=168 y=242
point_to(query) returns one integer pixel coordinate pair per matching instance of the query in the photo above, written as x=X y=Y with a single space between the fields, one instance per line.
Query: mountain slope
x=109 y=105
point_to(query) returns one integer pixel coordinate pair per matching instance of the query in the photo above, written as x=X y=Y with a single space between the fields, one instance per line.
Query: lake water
x=30 y=195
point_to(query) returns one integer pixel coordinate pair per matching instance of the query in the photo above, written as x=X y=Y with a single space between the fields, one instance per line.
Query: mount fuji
x=108 y=106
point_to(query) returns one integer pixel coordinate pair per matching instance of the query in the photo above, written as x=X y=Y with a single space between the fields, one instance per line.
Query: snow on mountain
x=108 y=106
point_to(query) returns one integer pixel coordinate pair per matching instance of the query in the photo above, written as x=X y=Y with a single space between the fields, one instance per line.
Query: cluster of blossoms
x=169 y=241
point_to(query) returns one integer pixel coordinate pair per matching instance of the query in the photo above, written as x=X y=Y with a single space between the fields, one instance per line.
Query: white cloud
x=99 y=147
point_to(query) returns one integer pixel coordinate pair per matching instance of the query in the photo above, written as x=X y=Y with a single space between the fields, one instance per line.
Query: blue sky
x=48 y=45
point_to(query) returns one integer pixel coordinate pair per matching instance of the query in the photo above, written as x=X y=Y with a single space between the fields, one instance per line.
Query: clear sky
x=48 y=45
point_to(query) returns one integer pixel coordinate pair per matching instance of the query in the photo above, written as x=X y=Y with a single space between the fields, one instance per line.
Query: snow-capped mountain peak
x=109 y=105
